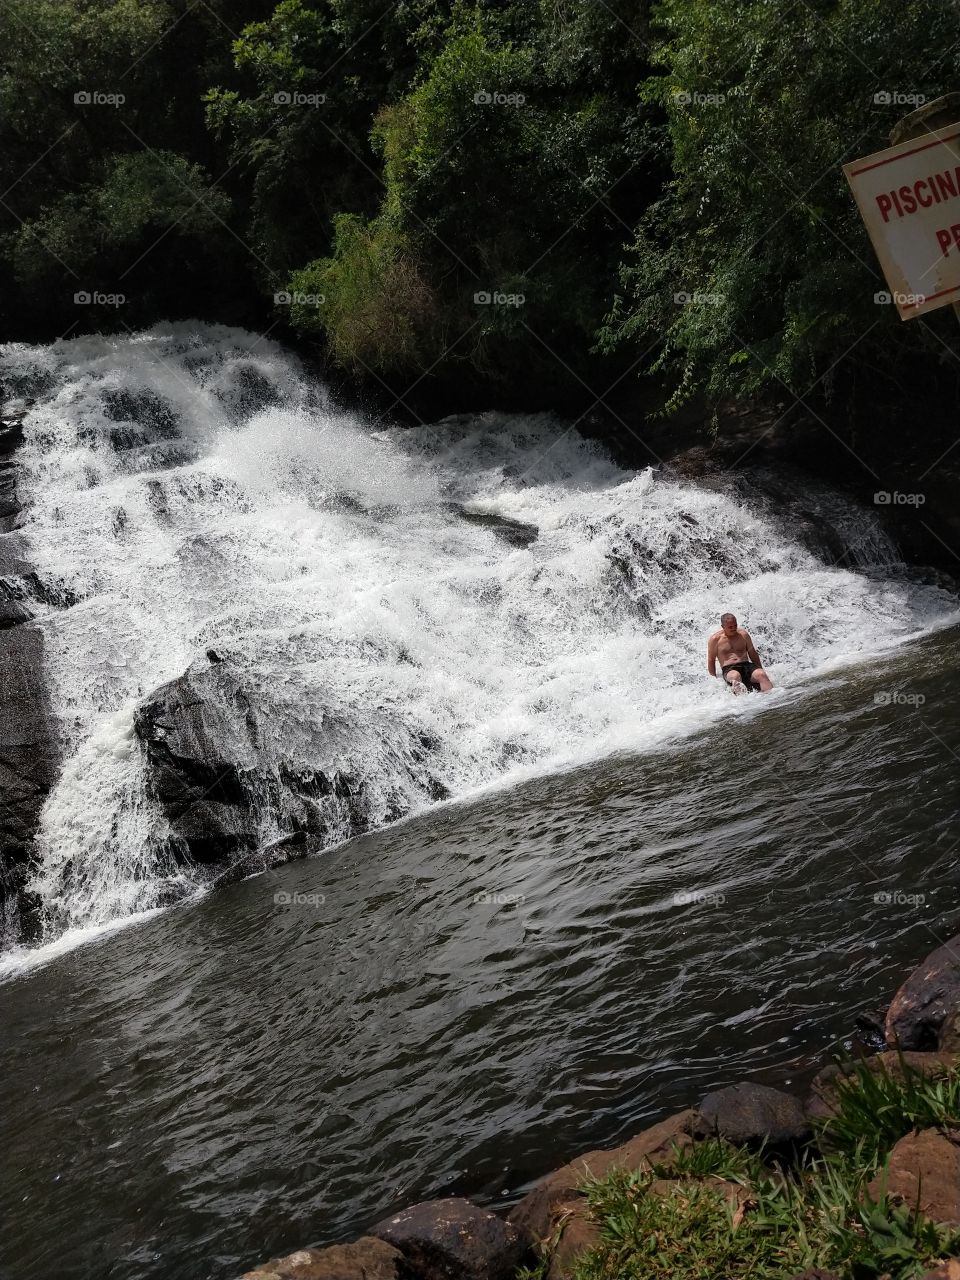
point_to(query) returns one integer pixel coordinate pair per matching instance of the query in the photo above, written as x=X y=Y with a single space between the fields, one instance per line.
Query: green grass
x=780 y=1222
x=875 y=1109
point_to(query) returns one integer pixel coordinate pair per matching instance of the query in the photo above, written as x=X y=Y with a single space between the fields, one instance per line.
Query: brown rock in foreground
x=576 y=1232
x=925 y=1012
x=534 y=1213
x=924 y=1172
x=753 y=1113
x=454 y=1240
x=949 y=1270
x=365 y=1259
x=821 y=1101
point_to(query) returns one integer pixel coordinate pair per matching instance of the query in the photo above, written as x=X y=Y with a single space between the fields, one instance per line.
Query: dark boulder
x=925 y=1012
x=754 y=1114
x=201 y=735
x=455 y=1240
x=365 y=1259
x=233 y=766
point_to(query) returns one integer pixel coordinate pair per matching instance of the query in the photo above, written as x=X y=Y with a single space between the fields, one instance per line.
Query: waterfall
x=425 y=611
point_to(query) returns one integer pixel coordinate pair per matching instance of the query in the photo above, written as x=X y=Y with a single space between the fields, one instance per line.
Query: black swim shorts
x=746 y=670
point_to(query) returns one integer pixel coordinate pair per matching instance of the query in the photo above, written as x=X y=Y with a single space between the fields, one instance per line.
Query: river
x=639 y=888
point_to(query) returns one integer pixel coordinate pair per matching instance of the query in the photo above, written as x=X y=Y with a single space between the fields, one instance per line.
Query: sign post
x=909 y=199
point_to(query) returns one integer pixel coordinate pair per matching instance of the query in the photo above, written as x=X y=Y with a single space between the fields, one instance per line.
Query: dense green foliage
x=765 y=102
x=500 y=193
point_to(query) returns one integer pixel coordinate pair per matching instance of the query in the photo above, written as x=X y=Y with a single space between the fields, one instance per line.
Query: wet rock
x=925 y=1012
x=822 y=1099
x=286 y=849
x=28 y=749
x=28 y=761
x=514 y=532
x=923 y=1171
x=204 y=739
x=454 y=1240
x=228 y=757
x=365 y=1259
x=656 y=1145
x=14 y=606
x=754 y=1113
x=870 y=1030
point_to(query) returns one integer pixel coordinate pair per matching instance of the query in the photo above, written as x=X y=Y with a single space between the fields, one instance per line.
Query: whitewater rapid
x=476 y=600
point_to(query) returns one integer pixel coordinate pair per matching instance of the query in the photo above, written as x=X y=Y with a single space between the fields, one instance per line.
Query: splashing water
x=432 y=610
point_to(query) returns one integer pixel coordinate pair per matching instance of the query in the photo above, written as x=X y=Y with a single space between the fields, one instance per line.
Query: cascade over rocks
x=341 y=625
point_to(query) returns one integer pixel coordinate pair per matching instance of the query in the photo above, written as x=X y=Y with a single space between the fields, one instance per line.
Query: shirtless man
x=739 y=660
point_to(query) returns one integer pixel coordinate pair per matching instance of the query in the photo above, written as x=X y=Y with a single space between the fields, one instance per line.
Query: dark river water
x=459 y=1003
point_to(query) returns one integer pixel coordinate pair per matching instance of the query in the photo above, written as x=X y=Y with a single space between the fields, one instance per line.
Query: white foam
x=333 y=566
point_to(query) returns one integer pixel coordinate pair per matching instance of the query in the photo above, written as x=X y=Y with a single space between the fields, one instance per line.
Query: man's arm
x=712 y=655
x=751 y=651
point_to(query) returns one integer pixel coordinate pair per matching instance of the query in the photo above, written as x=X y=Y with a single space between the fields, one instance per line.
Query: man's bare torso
x=733 y=648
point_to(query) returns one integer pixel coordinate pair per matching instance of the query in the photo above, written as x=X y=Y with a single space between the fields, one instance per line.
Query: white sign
x=909 y=197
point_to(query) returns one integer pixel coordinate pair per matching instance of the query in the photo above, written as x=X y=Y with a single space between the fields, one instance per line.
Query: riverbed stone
x=924 y=1171
x=656 y=1145
x=365 y=1259
x=755 y=1113
x=925 y=1012
x=821 y=1100
x=455 y=1240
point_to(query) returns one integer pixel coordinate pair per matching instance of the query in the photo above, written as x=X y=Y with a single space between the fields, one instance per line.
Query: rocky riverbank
x=861 y=1177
